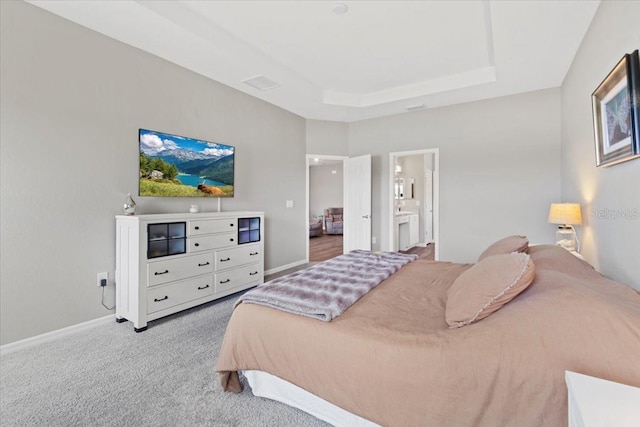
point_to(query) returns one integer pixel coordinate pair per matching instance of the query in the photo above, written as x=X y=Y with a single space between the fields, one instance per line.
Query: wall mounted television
x=176 y=166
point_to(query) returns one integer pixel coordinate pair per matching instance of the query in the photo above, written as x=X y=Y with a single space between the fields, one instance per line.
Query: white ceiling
x=377 y=59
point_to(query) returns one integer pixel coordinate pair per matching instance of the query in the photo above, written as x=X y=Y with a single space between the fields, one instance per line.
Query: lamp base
x=566 y=237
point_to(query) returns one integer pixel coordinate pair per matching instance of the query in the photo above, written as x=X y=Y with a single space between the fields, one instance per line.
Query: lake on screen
x=194 y=180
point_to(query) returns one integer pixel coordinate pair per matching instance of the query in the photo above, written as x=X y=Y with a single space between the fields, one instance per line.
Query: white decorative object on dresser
x=166 y=263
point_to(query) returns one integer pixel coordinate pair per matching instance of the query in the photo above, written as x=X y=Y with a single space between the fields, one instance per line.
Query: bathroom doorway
x=414 y=201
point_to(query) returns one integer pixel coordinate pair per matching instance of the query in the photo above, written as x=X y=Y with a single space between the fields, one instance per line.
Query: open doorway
x=325 y=199
x=414 y=201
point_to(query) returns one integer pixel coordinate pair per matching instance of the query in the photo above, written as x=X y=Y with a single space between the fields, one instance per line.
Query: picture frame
x=616 y=113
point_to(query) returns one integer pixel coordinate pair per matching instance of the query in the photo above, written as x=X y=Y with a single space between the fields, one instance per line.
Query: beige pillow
x=506 y=246
x=486 y=287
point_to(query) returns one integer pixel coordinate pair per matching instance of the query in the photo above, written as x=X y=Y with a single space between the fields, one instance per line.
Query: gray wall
x=499 y=168
x=610 y=197
x=325 y=188
x=72 y=102
x=329 y=138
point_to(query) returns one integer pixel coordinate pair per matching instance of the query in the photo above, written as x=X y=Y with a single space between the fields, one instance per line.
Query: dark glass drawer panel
x=166 y=239
x=243 y=224
x=178 y=230
x=158 y=232
x=248 y=230
x=157 y=249
x=177 y=246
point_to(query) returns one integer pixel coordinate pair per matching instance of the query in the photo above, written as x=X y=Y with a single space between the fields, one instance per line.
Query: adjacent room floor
x=327 y=246
x=322 y=248
x=426 y=252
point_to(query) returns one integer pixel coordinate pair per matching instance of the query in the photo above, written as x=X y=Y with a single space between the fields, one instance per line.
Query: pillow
x=506 y=246
x=486 y=287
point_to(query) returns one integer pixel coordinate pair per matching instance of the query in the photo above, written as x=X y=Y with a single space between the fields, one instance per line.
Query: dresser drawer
x=239 y=277
x=178 y=293
x=211 y=226
x=169 y=270
x=235 y=257
x=206 y=243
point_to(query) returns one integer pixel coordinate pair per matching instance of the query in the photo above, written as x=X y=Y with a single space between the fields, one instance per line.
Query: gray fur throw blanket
x=327 y=289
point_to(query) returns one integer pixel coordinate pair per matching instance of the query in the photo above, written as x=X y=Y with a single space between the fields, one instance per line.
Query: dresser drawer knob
x=253 y=274
x=161 y=299
x=231 y=225
x=202 y=287
x=203 y=264
x=196 y=244
x=253 y=253
x=158 y=273
x=231 y=239
x=225 y=281
x=196 y=228
x=226 y=259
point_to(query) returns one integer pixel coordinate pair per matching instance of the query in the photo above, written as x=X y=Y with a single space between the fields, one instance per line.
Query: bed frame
x=266 y=385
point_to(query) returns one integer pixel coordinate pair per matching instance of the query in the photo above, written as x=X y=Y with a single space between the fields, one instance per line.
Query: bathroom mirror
x=404 y=189
x=399 y=188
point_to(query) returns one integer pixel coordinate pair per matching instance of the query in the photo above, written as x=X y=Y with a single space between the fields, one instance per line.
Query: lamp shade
x=565 y=213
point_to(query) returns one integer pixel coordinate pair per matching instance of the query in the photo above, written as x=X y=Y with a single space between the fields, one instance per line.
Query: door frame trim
x=436 y=195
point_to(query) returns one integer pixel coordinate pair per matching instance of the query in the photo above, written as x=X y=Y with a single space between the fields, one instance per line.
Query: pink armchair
x=315 y=227
x=333 y=220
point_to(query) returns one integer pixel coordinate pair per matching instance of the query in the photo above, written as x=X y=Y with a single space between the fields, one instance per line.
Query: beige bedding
x=392 y=359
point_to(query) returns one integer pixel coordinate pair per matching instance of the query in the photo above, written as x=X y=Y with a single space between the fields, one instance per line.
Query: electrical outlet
x=373 y=240
x=103 y=276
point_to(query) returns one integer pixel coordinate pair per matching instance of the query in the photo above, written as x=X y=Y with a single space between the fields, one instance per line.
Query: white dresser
x=166 y=263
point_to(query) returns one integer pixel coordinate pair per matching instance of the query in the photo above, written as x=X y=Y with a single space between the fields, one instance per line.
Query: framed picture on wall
x=616 y=113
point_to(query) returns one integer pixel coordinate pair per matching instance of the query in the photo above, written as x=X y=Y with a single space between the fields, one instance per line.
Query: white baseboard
x=284 y=267
x=53 y=335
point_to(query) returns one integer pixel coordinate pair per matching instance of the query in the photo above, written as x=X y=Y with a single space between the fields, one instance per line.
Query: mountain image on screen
x=176 y=166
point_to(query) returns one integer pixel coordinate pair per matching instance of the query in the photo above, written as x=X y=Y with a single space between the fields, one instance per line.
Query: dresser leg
x=140 y=329
x=120 y=320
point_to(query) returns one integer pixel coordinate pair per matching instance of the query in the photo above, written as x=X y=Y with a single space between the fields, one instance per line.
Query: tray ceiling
x=378 y=58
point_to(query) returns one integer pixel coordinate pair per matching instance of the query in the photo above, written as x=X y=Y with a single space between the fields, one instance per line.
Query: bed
x=392 y=358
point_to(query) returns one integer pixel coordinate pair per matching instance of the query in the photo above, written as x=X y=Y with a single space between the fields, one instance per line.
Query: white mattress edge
x=271 y=387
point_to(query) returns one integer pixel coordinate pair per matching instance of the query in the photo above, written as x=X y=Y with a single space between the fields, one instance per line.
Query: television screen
x=175 y=166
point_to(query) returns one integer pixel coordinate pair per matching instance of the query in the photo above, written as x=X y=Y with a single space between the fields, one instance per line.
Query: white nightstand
x=574 y=253
x=577 y=254
x=596 y=402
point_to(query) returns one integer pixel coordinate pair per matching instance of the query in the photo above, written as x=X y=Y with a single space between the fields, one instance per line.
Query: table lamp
x=566 y=215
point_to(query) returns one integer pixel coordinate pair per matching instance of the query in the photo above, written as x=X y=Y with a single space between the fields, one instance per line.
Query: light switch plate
x=289 y=203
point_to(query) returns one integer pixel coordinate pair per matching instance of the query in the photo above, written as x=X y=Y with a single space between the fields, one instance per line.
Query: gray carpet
x=111 y=376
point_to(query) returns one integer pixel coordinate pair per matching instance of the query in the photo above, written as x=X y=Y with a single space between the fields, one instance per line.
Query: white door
x=357 y=203
x=428 y=206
